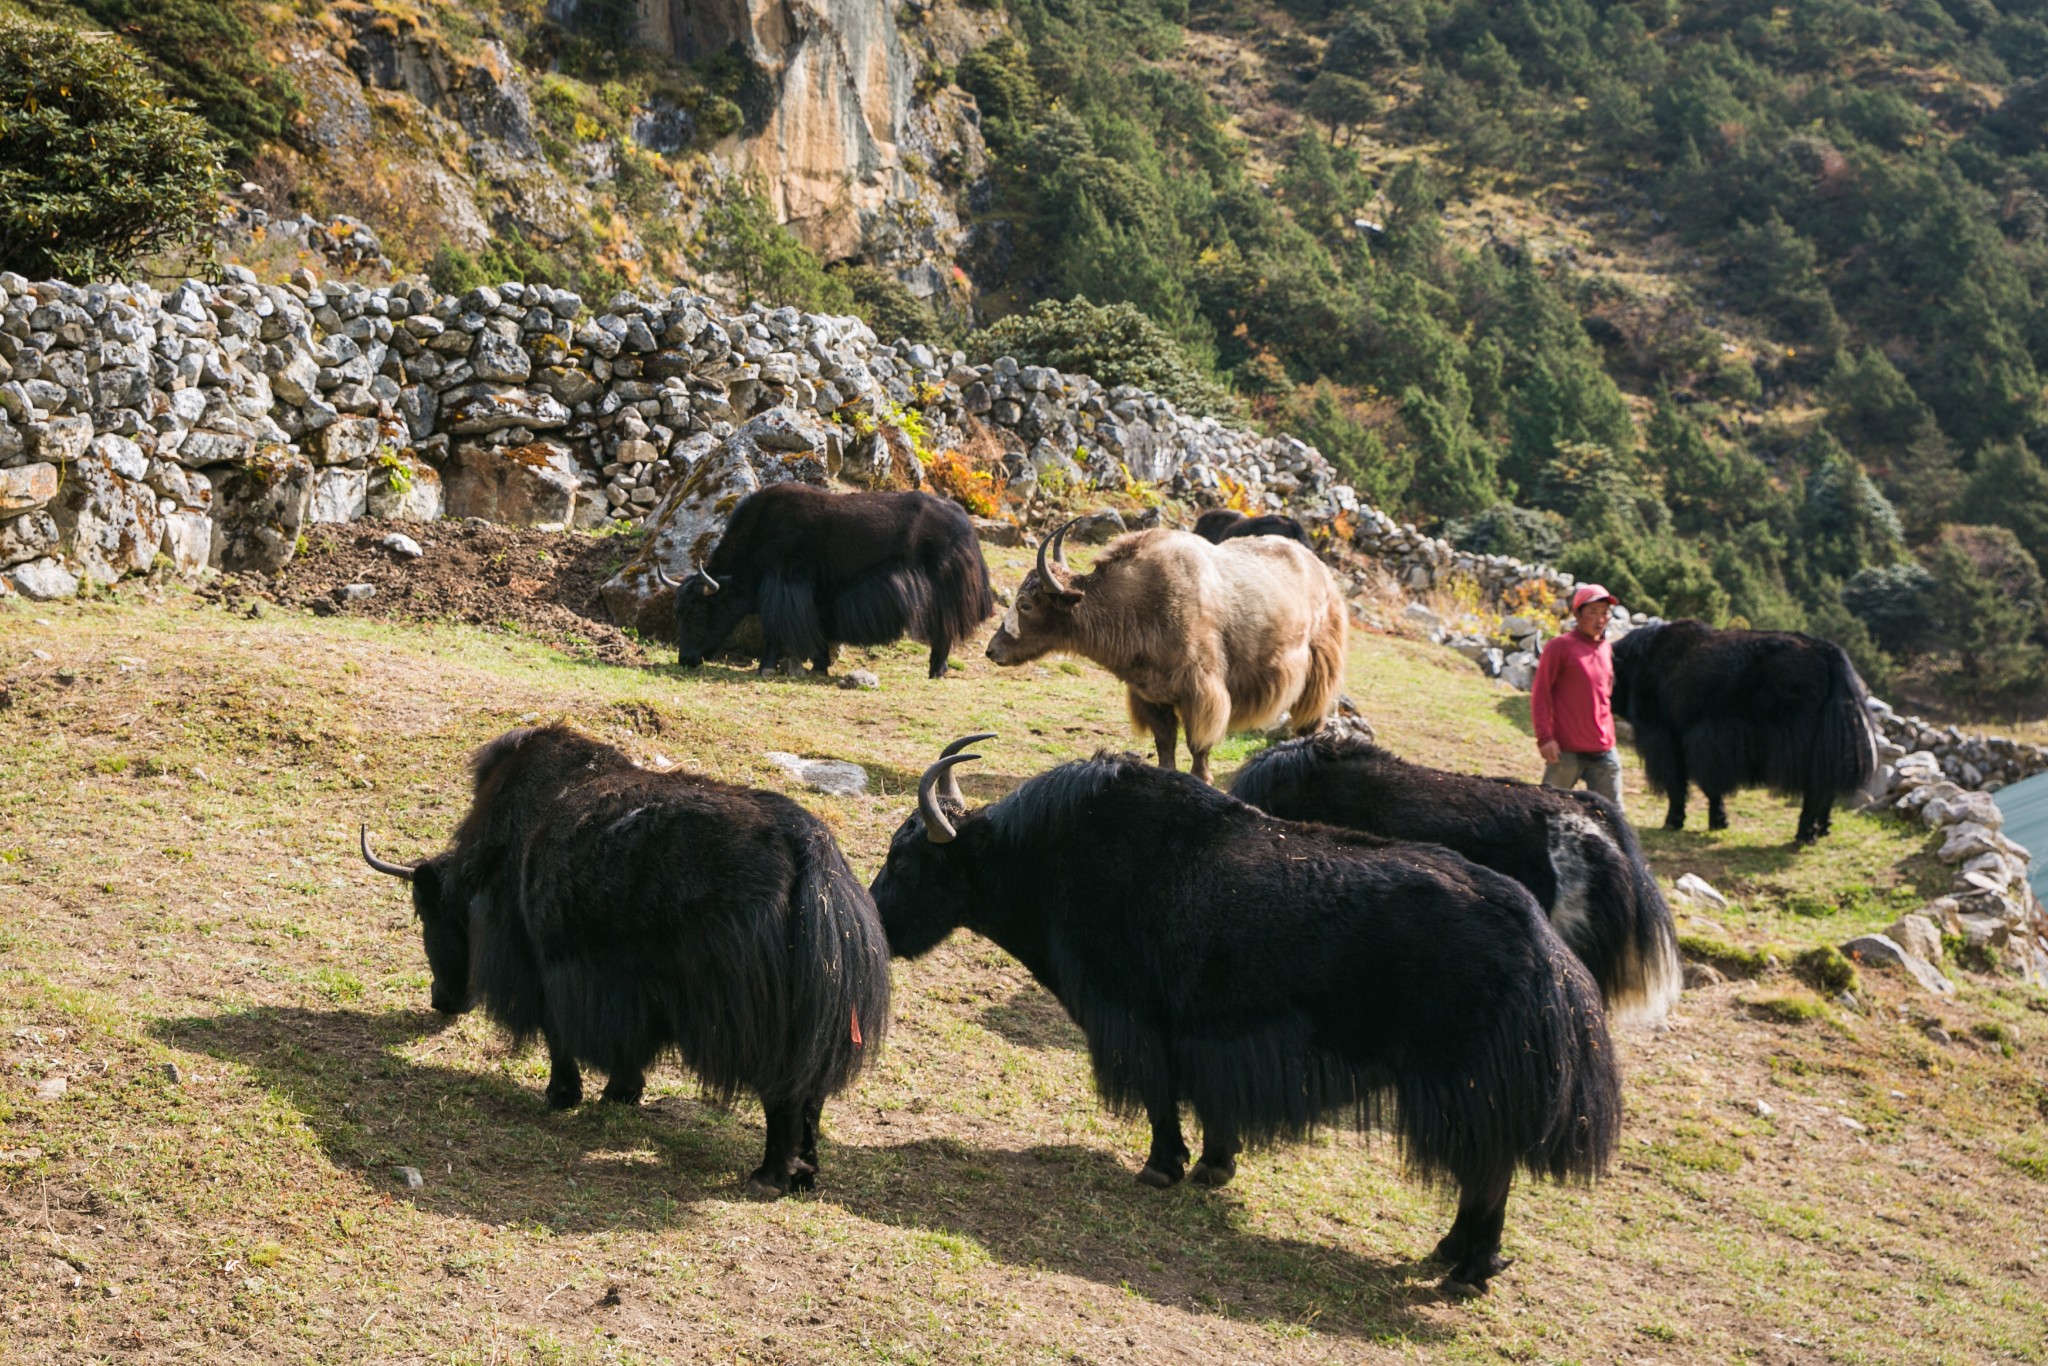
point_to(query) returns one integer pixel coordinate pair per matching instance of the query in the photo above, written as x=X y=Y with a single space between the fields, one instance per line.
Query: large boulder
x=531 y=485
x=106 y=516
x=405 y=489
x=259 y=510
x=188 y=541
x=43 y=580
x=340 y=494
x=687 y=523
x=472 y=412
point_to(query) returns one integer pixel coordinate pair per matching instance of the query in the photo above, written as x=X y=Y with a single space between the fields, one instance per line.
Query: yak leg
x=1815 y=814
x=942 y=649
x=1717 y=811
x=807 y=1151
x=565 y=1079
x=782 y=1167
x=1206 y=718
x=1472 y=1247
x=1168 y=1160
x=1164 y=723
x=627 y=1082
x=1674 y=812
x=1220 y=1147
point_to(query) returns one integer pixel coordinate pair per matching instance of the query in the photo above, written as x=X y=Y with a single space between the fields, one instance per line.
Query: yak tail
x=789 y=615
x=960 y=599
x=838 y=1003
x=1610 y=912
x=1845 y=750
x=1325 y=676
x=1544 y=1096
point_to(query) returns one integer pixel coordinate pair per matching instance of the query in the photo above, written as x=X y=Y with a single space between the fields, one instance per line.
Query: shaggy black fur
x=1274 y=975
x=621 y=913
x=1218 y=525
x=1572 y=849
x=1734 y=709
x=829 y=568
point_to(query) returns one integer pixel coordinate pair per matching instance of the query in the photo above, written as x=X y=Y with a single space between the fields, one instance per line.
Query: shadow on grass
x=1515 y=711
x=490 y=1151
x=1033 y=1018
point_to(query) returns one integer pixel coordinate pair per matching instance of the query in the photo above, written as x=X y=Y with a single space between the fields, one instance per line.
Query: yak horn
x=952 y=788
x=1059 y=543
x=711 y=585
x=661 y=577
x=937 y=827
x=395 y=869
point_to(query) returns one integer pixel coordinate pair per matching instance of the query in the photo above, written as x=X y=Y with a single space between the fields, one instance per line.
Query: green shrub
x=1825 y=970
x=97 y=166
x=1115 y=343
x=741 y=240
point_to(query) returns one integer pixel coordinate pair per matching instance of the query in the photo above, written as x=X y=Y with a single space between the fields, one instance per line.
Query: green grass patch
x=1790 y=1007
x=1733 y=959
x=1825 y=970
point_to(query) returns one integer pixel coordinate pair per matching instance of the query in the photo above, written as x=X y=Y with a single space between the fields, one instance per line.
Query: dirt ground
x=536 y=583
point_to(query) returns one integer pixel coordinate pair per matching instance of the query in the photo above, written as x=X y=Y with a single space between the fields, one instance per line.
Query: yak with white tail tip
x=1274 y=976
x=621 y=913
x=1205 y=638
x=1573 y=850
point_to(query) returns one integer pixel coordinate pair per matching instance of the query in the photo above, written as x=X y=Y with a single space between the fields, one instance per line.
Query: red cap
x=1587 y=593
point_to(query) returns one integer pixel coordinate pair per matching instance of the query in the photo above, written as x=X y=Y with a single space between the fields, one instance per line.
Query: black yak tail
x=838 y=1004
x=960 y=597
x=1610 y=912
x=1845 y=750
x=1544 y=1094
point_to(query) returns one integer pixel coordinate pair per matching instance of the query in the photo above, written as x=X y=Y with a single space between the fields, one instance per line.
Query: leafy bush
x=97 y=167
x=741 y=239
x=1115 y=343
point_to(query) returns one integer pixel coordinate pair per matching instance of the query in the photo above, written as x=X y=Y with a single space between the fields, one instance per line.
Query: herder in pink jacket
x=1572 y=702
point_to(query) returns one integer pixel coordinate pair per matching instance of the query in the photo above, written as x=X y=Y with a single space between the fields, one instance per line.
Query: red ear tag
x=856 y=1029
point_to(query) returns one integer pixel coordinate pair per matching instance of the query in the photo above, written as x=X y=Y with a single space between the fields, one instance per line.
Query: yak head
x=1042 y=620
x=706 y=612
x=923 y=891
x=442 y=905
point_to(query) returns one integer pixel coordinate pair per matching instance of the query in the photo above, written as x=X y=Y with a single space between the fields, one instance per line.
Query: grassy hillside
x=179 y=793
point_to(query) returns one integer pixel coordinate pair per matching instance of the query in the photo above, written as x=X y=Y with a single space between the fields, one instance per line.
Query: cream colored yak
x=1210 y=638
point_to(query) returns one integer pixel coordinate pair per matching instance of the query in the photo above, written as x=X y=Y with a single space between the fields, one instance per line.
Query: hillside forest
x=1736 y=307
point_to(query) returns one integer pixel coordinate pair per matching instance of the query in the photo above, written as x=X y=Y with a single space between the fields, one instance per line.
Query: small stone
x=356 y=592
x=1936 y=1034
x=1765 y=1109
x=402 y=545
x=412 y=1178
x=52 y=1088
x=1697 y=890
x=1701 y=975
x=1882 y=951
x=174 y=1074
x=834 y=777
x=1852 y=1125
x=862 y=679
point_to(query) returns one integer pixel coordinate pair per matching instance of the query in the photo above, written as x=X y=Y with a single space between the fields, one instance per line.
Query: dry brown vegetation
x=179 y=793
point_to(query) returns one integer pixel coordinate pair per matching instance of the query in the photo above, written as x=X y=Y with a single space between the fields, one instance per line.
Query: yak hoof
x=622 y=1095
x=565 y=1097
x=1674 y=822
x=1468 y=1282
x=1213 y=1174
x=1159 y=1178
x=760 y=1188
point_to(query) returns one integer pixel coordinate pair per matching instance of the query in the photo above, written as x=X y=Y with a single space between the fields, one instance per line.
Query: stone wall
x=211 y=424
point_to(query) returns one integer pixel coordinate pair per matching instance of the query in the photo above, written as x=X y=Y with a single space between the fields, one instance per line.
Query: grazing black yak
x=1273 y=975
x=1218 y=525
x=1734 y=709
x=621 y=913
x=1573 y=850
x=836 y=568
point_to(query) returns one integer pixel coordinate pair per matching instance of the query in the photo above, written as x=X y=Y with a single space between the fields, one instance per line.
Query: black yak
x=621 y=913
x=836 y=568
x=1273 y=975
x=1734 y=709
x=1573 y=850
x=1209 y=638
x=1218 y=525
